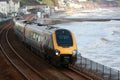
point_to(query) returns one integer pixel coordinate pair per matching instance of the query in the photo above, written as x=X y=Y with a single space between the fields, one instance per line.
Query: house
x=4 y=6
x=9 y=6
x=14 y=5
x=41 y=7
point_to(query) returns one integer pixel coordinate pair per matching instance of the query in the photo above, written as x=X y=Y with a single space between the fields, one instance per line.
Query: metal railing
x=100 y=70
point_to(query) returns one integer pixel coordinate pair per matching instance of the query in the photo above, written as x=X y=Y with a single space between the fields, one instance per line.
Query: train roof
x=20 y=22
x=42 y=28
x=49 y=29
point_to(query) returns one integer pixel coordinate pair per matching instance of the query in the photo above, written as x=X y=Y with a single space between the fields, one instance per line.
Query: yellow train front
x=65 y=47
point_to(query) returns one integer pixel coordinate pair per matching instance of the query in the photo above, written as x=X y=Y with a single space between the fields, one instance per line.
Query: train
x=55 y=44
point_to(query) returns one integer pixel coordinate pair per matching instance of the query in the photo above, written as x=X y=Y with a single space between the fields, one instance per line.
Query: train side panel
x=32 y=38
x=19 y=30
x=38 y=40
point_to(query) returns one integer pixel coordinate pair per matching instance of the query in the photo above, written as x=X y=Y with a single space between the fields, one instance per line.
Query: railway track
x=47 y=71
x=75 y=75
x=85 y=73
x=25 y=69
x=52 y=73
x=70 y=74
x=7 y=72
x=31 y=66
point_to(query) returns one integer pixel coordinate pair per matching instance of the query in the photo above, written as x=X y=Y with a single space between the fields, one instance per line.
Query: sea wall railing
x=106 y=73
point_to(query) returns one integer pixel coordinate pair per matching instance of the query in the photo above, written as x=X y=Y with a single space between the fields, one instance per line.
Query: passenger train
x=57 y=45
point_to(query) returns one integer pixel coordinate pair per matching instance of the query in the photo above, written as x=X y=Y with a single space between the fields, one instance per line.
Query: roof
x=8 y=0
x=39 y=29
x=3 y=0
x=14 y=0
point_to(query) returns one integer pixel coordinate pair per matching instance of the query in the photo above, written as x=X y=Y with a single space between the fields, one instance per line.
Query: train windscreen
x=64 y=38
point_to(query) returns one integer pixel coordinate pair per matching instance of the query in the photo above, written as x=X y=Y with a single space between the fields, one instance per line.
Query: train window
x=45 y=38
x=39 y=38
x=64 y=37
x=64 y=40
x=31 y=35
x=34 y=36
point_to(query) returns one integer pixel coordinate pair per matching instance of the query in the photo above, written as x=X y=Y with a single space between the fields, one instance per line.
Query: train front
x=65 y=46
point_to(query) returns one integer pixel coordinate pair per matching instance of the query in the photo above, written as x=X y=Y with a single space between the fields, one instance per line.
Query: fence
x=102 y=71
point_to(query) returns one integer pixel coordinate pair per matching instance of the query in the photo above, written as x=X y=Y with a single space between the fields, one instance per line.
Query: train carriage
x=55 y=44
x=19 y=29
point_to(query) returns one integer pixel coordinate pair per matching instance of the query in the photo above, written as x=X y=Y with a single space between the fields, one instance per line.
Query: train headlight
x=57 y=52
x=74 y=52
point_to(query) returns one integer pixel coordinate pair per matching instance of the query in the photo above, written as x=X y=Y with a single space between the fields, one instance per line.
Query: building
x=40 y=7
x=9 y=6
x=82 y=0
x=14 y=5
x=4 y=6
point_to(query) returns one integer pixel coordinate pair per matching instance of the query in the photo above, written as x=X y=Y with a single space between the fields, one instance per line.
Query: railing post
x=81 y=61
x=85 y=63
x=118 y=75
x=110 y=74
x=91 y=64
x=103 y=72
x=97 y=67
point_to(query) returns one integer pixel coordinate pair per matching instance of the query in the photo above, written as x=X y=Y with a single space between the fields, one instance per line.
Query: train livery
x=57 y=45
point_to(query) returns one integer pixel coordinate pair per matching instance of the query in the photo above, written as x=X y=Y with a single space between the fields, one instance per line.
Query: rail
x=102 y=71
x=26 y=73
